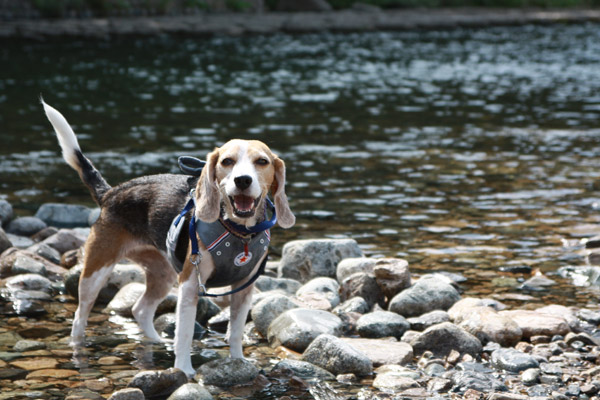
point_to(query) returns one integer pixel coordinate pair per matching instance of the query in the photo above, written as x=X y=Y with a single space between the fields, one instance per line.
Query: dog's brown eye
x=262 y=161
x=226 y=162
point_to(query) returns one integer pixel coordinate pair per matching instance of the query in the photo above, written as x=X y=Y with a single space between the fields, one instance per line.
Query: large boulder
x=337 y=356
x=431 y=292
x=303 y=260
x=297 y=328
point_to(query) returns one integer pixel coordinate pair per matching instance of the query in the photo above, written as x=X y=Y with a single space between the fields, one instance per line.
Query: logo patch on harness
x=242 y=259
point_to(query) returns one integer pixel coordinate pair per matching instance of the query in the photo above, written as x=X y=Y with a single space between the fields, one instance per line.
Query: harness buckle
x=195 y=259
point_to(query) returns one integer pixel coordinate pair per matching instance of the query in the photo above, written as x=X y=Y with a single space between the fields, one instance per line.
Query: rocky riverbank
x=358 y=19
x=325 y=321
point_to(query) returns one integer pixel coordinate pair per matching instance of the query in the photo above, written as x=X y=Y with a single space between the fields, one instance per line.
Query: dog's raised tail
x=72 y=154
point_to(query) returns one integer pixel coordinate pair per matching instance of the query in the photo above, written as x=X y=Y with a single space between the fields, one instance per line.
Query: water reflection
x=463 y=150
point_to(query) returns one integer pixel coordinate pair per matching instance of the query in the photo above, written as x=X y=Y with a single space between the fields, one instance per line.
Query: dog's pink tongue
x=243 y=203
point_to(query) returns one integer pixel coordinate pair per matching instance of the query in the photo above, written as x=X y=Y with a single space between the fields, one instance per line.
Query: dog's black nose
x=243 y=182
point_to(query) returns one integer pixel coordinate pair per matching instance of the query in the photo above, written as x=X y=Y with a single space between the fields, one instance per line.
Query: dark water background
x=462 y=151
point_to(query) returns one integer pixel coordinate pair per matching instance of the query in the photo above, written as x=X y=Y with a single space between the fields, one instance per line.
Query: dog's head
x=239 y=176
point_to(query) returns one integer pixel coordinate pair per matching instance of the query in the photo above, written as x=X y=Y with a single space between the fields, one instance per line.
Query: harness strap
x=196 y=252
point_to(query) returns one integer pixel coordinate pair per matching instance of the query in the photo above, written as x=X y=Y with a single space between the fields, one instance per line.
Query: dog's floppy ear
x=285 y=218
x=207 y=192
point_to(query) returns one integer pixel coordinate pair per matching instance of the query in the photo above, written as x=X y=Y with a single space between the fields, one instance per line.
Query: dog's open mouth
x=243 y=206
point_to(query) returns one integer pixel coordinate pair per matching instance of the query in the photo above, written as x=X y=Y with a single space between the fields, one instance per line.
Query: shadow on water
x=463 y=151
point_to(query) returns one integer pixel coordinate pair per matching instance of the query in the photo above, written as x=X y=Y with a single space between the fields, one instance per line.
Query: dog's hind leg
x=160 y=277
x=102 y=250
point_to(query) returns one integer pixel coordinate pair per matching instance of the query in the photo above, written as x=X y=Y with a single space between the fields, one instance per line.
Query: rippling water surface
x=462 y=151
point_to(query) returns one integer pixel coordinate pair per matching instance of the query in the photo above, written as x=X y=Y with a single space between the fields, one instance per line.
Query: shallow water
x=463 y=151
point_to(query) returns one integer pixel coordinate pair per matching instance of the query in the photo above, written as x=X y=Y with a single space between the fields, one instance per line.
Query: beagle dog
x=136 y=216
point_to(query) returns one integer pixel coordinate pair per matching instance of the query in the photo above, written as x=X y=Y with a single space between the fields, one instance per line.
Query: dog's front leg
x=240 y=305
x=187 y=303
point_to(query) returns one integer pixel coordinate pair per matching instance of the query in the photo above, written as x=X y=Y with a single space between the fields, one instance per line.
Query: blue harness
x=235 y=249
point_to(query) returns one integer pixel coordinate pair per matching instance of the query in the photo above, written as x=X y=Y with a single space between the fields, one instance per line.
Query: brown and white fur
x=135 y=218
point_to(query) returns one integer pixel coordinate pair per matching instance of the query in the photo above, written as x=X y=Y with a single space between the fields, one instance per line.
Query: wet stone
x=301 y=369
x=158 y=383
x=479 y=381
x=165 y=326
x=128 y=394
x=191 y=391
x=228 y=372
x=381 y=351
x=28 y=345
x=445 y=337
x=531 y=376
x=20 y=242
x=297 y=328
x=429 y=293
x=45 y=251
x=382 y=324
x=512 y=360
x=427 y=320
x=337 y=356
x=268 y=309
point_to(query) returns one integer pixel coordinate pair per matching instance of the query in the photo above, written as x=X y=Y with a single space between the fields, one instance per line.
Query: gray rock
x=380 y=324
x=512 y=360
x=383 y=352
x=127 y=394
x=27 y=265
x=305 y=259
x=428 y=294
x=531 y=376
x=64 y=240
x=363 y=285
x=392 y=275
x=127 y=296
x=489 y=326
x=20 y=242
x=25 y=226
x=205 y=310
x=28 y=345
x=45 y=251
x=158 y=383
x=428 y=319
x=479 y=381
x=64 y=215
x=350 y=266
x=165 y=326
x=561 y=311
x=228 y=372
x=393 y=379
x=302 y=369
x=29 y=282
x=191 y=391
x=462 y=309
x=93 y=216
x=5 y=242
x=442 y=338
x=122 y=274
x=533 y=323
x=268 y=309
x=354 y=305
x=267 y=283
x=297 y=328
x=6 y=212
x=337 y=356
x=328 y=287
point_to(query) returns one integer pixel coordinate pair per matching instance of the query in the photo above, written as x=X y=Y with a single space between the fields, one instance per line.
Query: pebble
x=531 y=376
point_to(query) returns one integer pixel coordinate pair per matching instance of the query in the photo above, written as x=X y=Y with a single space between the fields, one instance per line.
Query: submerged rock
x=228 y=372
x=337 y=356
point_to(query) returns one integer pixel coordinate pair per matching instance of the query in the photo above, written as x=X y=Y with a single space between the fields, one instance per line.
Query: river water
x=463 y=151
